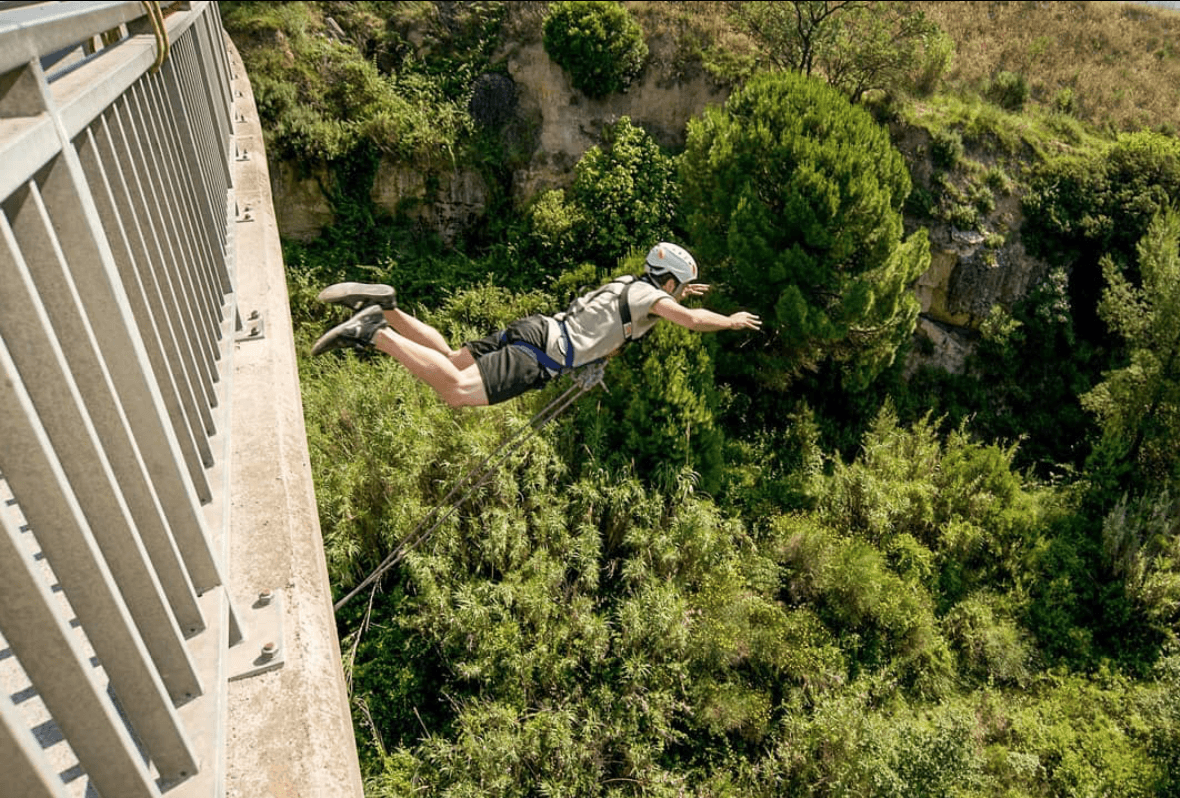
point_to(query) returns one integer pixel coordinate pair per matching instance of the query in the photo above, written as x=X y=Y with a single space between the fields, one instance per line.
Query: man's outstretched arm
x=702 y=320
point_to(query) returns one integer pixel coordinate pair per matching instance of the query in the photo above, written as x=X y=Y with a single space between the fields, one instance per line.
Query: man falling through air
x=530 y=351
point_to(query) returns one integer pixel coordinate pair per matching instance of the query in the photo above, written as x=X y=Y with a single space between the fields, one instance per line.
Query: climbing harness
x=585 y=378
x=559 y=368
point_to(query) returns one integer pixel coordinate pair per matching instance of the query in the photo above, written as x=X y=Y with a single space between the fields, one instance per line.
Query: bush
x=1009 y=90
x=598 y=43
x=627 y=191
x=946 y=148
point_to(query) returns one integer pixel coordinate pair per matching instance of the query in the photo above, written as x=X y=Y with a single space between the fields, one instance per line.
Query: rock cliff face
x=570 y=123
x=970 y=271
x=563 y=124
x=966 y=279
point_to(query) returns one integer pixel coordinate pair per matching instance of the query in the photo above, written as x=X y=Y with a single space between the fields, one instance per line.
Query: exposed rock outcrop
x=571 y=123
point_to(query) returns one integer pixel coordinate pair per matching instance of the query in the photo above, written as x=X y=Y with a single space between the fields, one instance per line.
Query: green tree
x=856 y=46
x=598 y=43
x=626 y=190
x=795 y=33
x=793 y=198
x=623 y=198
x=1139 y=404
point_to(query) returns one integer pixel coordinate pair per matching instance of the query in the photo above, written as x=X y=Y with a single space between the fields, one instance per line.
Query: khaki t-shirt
x=594 y=323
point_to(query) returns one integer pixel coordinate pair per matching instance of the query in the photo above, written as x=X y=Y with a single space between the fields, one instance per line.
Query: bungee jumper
x=531 y=351
x=524 y=356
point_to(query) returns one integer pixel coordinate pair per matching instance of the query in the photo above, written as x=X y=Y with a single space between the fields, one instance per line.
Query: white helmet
x=665 y=259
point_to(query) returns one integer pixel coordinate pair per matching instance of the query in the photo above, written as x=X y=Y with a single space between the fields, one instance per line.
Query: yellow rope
x=156 y=16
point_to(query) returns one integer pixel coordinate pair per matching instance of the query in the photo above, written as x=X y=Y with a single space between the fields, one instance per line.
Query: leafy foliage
x=322 y=100
x=597 y=42
x=1140 y=402
x=627 y=191
x=624 y=197
x=856 y=47
x=795 y=195
x=1104 y=203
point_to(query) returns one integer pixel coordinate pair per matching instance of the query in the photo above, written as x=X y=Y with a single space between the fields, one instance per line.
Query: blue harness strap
x=542 y=356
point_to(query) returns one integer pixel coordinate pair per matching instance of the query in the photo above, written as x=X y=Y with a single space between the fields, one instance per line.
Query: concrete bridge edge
x=290 y=732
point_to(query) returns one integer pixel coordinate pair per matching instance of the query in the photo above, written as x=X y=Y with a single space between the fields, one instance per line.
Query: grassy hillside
x=1114 y=65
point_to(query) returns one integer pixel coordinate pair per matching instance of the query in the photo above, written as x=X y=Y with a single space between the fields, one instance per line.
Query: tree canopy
x=792 y=198
x=1139 y=403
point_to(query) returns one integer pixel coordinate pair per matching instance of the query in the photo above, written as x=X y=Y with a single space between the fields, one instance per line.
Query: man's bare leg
x=418 y=331
x=453 y=375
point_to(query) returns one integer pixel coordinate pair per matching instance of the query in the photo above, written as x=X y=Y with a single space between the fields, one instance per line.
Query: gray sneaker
x=357 y=332
x=355 y=296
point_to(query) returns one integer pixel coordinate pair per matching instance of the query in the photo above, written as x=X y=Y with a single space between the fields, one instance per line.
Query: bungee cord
x=585 y=378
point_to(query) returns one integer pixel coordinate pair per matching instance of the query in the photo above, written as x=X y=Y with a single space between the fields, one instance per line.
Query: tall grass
x=1114 y=65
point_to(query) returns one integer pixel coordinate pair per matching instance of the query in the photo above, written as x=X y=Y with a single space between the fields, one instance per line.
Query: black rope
x=482 y=471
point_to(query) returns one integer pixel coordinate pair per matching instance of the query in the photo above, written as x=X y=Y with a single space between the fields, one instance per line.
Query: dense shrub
x=1081 y=207
x=946 y=148
x=597 y=42
x=1009 y=90
x=627 y=191
x=794 y=196
x=624 y=198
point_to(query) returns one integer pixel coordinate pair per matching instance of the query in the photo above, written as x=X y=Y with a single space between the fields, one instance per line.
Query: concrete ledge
x=290 y=730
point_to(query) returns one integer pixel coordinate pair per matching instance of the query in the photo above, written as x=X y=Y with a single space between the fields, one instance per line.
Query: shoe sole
x=356 y=296
x=345 y=335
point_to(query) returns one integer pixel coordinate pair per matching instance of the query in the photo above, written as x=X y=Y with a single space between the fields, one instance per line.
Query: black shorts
x=508 y=370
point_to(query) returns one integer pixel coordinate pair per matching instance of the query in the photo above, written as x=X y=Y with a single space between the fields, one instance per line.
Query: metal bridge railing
x=117 y=325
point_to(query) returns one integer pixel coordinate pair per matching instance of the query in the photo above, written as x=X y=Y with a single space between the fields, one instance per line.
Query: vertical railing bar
x=170 y=133
x=170 y=302
x=205 y=134
x=57 y=667
x=27 y=771
x=206 y=329
x=194 y=220
x=157 y=537
x=80 y=410
x=201 y=331
x=142 y=160
x=178 y=213
x=215 y=69
x=195 y=104
x=38 y=480
x=195 y=128
x=217 y=166
x=178 y=355
x=197 y=53
x=173 y=87
x=214 y=84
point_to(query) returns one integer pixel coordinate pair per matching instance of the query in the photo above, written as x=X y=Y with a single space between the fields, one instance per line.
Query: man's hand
x=694 y=289
x=743 y=320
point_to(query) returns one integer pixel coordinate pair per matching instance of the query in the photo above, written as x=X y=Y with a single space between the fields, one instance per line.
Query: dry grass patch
x=1113 y=64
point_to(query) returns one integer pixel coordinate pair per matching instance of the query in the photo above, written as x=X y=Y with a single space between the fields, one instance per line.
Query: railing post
x=118 y=295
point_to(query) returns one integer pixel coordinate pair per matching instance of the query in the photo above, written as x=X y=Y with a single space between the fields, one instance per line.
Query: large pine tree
x=793 y=200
